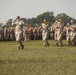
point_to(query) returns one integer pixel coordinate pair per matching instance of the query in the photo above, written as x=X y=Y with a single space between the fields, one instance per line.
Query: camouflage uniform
x=6 y=33
x=26 y=35
x=58 y=34
x=55 y=28
x=45 y=34
x=68 y=32
x=2 y=34
x=12 y=34
x=19 y=32
x=35 y=33
x=73 y=34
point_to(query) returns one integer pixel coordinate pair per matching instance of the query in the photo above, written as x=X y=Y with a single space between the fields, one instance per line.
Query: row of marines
x=57 y=32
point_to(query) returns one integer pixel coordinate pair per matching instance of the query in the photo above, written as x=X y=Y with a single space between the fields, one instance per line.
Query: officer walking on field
x=45 y=33
x=18 y=31
x=59 y=31
x=68 y=31
x=73 y=33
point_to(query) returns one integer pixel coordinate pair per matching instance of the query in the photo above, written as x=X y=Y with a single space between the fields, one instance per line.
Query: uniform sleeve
x=22 y=23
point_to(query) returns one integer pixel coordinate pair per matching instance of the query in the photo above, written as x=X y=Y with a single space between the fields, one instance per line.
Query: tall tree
x=25 y=20
x=8 y=23
x=64 y=17
x=49 y=16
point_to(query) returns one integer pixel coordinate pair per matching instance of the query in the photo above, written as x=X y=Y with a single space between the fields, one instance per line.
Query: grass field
x=36 y=59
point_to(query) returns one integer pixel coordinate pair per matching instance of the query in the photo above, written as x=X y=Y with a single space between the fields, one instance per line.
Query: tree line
x=49 y=16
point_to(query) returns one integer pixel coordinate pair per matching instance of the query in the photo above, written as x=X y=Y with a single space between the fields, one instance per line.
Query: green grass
x=36 y=59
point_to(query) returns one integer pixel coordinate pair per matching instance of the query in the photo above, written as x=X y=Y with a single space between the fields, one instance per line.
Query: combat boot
x=22 y=47
x=48 y=44
x=19 y=47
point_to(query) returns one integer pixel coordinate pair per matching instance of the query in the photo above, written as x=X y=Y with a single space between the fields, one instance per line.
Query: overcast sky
x=33 y=8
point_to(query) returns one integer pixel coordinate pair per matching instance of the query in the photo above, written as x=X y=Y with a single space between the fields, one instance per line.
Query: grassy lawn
x=36 y=59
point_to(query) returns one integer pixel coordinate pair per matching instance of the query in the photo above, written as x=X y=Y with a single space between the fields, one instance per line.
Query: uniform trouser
x=55 y=36
x=73 y=39
x=19 y=36
x=19 y=43
x=59 y=40
x=69 y=42
x=73 y=42
x=35 y=36
x=45 y=40
x=26 y=37
x=68 y=39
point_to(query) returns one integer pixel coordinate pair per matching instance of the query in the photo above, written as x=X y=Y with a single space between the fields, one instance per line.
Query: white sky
x=9 y=9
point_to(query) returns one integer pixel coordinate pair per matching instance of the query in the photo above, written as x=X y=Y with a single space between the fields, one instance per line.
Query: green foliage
x=1 y=24
x=9 y=23
x=49 y=16
x=24 y=20
x=32 y=21
x=64 y=17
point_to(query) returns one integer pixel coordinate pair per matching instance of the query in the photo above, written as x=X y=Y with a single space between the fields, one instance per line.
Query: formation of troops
x=57 y=31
